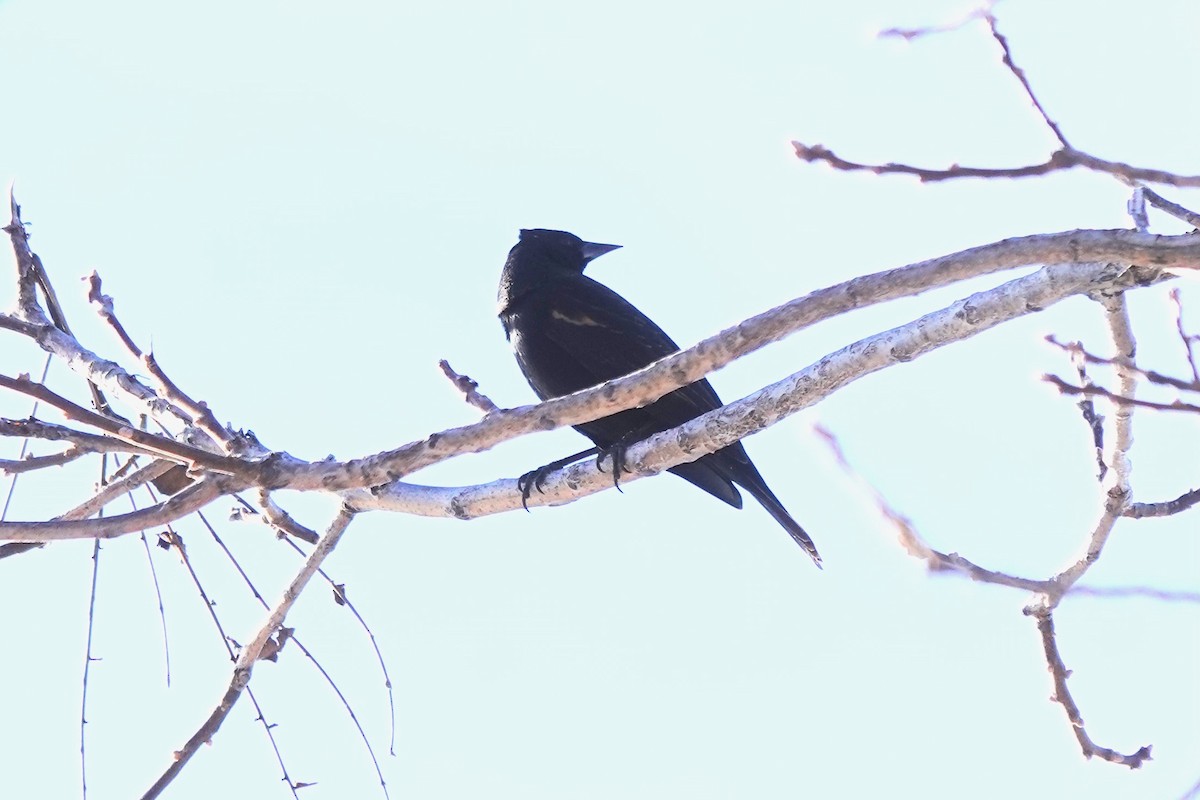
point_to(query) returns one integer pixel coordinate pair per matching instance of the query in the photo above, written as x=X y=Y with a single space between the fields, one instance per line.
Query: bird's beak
x=592 y=250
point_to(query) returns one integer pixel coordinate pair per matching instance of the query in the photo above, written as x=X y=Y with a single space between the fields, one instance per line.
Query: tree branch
x=251 y=653
x=763 y=408
x=193 y=498
x=688 y=366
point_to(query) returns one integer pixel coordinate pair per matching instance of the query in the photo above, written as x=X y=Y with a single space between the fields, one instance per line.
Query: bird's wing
x=607 y=336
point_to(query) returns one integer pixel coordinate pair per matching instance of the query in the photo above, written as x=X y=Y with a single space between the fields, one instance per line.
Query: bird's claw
x=616 y=454
x=534 y=479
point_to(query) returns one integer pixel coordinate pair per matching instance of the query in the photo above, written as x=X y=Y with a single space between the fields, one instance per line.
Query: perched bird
x=569 y=333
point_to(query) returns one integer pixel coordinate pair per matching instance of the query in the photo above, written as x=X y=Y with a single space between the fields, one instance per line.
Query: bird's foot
x=616 y=454
x=534 y=479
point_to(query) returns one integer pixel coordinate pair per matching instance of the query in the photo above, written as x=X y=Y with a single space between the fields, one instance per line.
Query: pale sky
x=303 y=206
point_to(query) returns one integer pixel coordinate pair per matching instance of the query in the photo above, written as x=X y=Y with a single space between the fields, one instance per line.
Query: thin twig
x=1174 y=209
x=1062 y=159
x=909 y=34
x=1164 y=509
x=202 y=417
x=911 y=540
x=1062 y=696
x=1149 y=592
x=55 y=337
x=59 y=318
x=270 y=513
x=195 y=497
x=469 y=389
x=87 y=442
x=162 y=611
x=1188 y=340
x=171 y=539
x=104 y=307
x=114 y=489
x=362 y=734
x=1076 y=349
x=21 y=547
x=1087 y=408
x=1020 y=76
x=32 y=463
x=340 y=597
x=87 y=667
x=250 y=653
x=1118 y=444
x=26 y=270
x=88 y=657
x=1117 y=399
x=161 y=445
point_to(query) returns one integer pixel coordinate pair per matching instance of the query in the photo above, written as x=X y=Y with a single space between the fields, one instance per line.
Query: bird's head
x=562 y=249
x=541 y=257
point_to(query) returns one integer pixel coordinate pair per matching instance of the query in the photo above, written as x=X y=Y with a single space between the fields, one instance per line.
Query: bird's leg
x=535 y=478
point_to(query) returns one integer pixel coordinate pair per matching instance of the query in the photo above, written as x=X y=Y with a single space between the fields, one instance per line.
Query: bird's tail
x=775 y=508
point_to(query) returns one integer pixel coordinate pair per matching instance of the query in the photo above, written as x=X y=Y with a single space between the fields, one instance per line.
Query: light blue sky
x=302 y=207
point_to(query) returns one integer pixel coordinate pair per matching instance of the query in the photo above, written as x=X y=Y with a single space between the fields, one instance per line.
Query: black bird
x=569 y=333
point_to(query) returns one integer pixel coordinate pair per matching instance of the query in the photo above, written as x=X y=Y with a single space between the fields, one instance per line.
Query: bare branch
x=16 y=548
x=1103 y=528
x=1061 y=159
x=201 y=413
x=751 y=414
x=468 y=388
x=1076 y=349
x=104 y=307
x=20 y=326
x=1119 y=490
x=1160 y=595
x=1163 y=509
x=281 y=470
x=193 y=498
x=87 y=666
x=79 y=440
x=1066 y=157
x=909 y=34
x=1062 y=696
x=910 y=538
x=270 y=513
x=1120 y=400
x=1087 y=408
x=253 y=651
x=32 y=463
x=202 y=417
x=688 y=366
x=171 y=539
x=26 y=269
x=162 y=611
x=114 y=489
x=1188 y=340
x=53 y=334
x=1174 y=209
x=1020 y=76
x=159 y=445
x=1116 y=314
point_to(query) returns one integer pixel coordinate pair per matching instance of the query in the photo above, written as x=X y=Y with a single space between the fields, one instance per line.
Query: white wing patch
x=583 y=319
